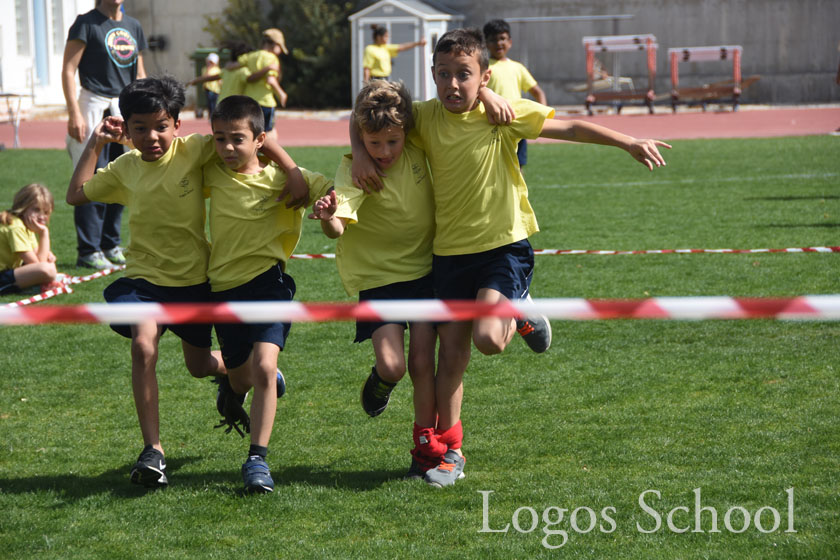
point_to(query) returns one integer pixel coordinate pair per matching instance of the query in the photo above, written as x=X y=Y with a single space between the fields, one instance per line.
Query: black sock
x=257 y=450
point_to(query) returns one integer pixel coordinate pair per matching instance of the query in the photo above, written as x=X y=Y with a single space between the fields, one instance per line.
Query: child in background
x=160 y=182
x=377 y=58
x=252 y=237
x=482 y=215
x=384 y=252
x=25 y=256
x=231 y=78
x=263 y=82
x=509 y=78
x=212 y=87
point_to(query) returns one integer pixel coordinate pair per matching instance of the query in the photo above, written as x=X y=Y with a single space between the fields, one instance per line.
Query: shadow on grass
x=793 y=226
x=792 y=198
x=74 y=487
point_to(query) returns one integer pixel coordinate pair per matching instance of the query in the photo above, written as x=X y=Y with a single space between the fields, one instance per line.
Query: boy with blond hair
x=482 y=215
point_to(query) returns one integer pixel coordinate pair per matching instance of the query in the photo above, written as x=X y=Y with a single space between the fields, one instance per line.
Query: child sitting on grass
x=25 y=256
x=384 y=252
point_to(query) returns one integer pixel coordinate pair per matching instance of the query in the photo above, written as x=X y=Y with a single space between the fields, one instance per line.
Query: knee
x=143 y=351
x=49 y=271
x=489 y=344
x=391 y=370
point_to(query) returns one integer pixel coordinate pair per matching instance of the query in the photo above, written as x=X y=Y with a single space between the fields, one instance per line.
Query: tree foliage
x=316 y=74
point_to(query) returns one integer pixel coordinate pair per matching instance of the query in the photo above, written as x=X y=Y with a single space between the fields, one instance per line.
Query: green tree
x=317 y=72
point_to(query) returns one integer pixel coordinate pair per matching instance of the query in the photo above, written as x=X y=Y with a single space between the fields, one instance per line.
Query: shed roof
x=414 y=7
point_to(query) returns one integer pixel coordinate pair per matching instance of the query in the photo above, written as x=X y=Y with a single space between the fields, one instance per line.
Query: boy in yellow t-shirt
x=263 y=83
x=509 y=78
x=160 y=182
x=384 y=252
x=253 y=235
x=482 y=215
x=376 y=62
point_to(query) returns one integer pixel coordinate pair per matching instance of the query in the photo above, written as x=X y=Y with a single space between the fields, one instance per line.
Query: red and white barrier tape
x=816 y=308
x=637 y=252
x=65 y=288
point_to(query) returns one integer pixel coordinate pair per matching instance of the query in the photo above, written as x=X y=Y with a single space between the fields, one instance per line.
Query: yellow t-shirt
x=389 y=233
x=260 y=91
x=233 y=82
x=213 y=85
x=481 y=200
x=509 y=78
x=378 y=59
x=15 y=238
x=250 y=230
x=166 y=212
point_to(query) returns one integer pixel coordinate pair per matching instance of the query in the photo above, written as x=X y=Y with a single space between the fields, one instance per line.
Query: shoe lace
x=526 y=328
x=444 y=466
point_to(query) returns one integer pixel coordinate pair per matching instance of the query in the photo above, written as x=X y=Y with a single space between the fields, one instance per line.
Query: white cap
x=213 y=57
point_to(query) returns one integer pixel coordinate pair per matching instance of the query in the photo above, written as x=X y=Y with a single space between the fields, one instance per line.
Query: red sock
x=426 y=442
x=453 y=437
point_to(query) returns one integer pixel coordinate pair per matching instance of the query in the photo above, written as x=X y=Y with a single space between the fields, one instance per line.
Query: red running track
x=311 y=131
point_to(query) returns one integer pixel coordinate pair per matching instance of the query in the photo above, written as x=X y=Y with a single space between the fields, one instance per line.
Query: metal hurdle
x=717 y=92
x=620 y=43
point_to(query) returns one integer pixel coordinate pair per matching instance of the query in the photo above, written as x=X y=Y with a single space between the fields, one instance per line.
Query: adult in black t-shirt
x=105 y=46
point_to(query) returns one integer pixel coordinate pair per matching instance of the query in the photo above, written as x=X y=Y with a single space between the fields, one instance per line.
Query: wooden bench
x=620 y=43
x=727 y=91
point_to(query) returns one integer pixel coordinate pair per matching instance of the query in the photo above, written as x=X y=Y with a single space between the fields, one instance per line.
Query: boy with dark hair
x=253 y=235
x=482 y=254
x=509 y=78
x=160 y=182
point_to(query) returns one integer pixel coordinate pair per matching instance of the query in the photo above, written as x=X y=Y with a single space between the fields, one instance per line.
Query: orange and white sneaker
x=450 y=469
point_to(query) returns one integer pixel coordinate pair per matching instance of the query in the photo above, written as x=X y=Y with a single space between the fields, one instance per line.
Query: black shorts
x=413 y=289
x=137 y=290
x=507 y=269
x=236 y=339
x=7 y=282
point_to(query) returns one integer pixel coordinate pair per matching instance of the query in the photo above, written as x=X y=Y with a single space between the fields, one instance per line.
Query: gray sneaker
x=115 y=255
x=95 y=260
x=535 y=331
x=450 y=469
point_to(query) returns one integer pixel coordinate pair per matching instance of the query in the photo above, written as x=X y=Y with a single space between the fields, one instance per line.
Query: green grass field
x=742 y=410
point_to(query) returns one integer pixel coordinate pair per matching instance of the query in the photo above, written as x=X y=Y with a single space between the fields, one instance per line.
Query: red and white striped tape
x=815 y=307
x=636 y=252
x=64 y=288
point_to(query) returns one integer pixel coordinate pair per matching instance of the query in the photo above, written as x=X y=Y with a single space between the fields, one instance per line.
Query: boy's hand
x=647 y=152
x=296 y=190
x=325 y=207
x=498 y=109
x=110 y=129
x=366 y=175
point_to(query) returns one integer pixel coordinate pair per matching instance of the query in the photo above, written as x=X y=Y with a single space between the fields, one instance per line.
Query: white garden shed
x=407 y=21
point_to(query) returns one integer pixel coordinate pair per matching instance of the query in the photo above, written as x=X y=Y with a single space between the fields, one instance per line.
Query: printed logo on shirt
x=419 y=172
x=185 y=187
x=122 y=48
x=494 y=135
x=260 y=207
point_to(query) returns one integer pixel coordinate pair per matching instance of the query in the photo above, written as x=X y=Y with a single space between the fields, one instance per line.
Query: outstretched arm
x=324 y=210
x=405 y=46
x=108 y=130
x=645 y=151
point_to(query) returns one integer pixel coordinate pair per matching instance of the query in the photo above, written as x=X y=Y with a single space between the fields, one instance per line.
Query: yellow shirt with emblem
x=377 y=59
x=166 y=211
x=509 y=78
x=250 y=231
x=389 y=233
x=259 y=90
x=15 y=238
x=233 y=82
x=481 y=200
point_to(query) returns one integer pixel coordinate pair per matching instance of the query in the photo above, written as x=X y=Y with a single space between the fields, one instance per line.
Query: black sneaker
x=229 y=404
x=281 y=384
x=376 y=393
x=535 y=331
x=150 y=469
x=257 y=476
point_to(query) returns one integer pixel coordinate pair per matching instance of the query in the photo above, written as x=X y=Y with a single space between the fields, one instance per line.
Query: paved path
x=297 y=129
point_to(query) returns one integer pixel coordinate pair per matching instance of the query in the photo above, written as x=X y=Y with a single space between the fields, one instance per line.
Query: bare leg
x=144 y=355
x=491 y=335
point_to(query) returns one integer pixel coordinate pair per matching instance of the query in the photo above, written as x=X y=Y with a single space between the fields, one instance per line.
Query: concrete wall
x=792 y=44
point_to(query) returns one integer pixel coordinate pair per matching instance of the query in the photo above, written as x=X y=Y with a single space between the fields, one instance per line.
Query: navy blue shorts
x=268 y=116
x=522 y=152
x=7 y=282
x=137 y=290
x=237 y=340
x=422 y=288
x=507 y=269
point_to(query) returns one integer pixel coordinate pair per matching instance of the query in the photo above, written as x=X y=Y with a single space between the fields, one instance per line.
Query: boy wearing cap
x=263 y=84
